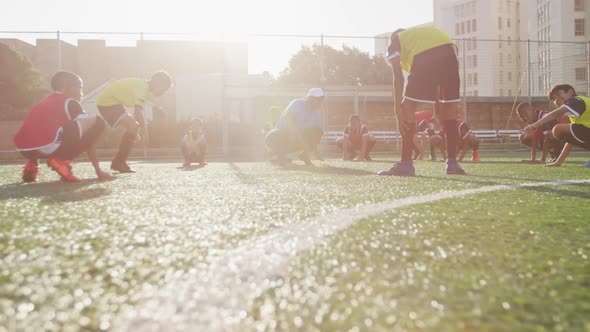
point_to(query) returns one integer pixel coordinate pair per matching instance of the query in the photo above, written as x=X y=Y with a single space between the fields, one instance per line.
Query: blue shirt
x=302 y=117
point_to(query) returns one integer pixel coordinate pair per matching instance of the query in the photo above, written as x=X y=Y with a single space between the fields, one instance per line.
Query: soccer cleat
x=30 y=171
x=62 y=168
x=400 y=169
x=121 y=167
x=475 y=155
x=454 y=168
x=586 y=164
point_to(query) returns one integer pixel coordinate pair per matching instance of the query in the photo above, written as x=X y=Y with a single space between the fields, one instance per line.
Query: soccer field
x=330 y=247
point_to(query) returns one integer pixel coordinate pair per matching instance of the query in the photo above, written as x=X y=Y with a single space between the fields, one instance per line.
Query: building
x=518 y=47
x=561 y=53
x=485 y=32
x=99 y=64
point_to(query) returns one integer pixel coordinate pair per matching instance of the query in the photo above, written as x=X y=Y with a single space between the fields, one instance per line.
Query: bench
x=392 y=136
x=387 y=136
x=499 y=136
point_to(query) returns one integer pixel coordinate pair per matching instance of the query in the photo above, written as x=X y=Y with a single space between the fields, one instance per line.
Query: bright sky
x=223 y=19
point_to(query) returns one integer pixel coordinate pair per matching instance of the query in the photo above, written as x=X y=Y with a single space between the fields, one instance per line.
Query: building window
x=474 y=78
x=501 y=80
x=509 y=58
x=474 y=61
x=508 y=23
x=510 y=76
x=579 y=23
x=462 y=27
x=581 y=73
x=509 y=41
x=579 y=5
x=500 y=59
x=468 y=24
x=475 y=93
x=499 y=41
x=474 y=25
x=457 y=31
x=474 y=43
x=499 y=23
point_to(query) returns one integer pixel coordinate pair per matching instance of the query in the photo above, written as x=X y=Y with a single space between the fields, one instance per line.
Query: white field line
x=219 y=296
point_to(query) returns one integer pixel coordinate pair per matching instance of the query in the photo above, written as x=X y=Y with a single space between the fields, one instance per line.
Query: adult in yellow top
x=129 y=92
x=430 y=57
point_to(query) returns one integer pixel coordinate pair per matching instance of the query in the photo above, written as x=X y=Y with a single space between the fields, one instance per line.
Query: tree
x=21 y=85
x=348 y=66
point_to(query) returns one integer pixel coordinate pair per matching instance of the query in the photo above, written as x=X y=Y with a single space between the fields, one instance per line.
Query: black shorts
x=434 y=76
x=581 y=134
x=112 y=114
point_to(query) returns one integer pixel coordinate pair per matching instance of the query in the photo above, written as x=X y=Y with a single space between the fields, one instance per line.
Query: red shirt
x=423 y=118
x=43 y=123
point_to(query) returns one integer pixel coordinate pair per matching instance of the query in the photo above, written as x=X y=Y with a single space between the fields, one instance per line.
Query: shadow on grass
x=468 y=178
x=243 y=177
x=55 y=191
x=325 y=169
x=190 y=168
x=563 y=192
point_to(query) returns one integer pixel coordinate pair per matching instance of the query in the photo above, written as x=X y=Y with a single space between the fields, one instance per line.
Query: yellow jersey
x=415 y=41
x=127 y=92
x=578 y=110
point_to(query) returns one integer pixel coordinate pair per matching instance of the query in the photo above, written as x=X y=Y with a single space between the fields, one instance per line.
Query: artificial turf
x=73 y=256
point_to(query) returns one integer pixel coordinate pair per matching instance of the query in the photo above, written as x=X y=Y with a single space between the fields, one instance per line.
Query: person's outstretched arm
x=102 y=175
x=562 y=156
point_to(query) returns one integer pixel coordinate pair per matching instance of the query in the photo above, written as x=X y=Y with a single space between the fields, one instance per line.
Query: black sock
x=407 y=147
x=451 y=139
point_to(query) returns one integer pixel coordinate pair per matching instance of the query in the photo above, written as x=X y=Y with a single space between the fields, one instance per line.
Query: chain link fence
x=240 y=85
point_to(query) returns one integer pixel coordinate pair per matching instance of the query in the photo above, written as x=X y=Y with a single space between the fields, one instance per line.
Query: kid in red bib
x=58 y=129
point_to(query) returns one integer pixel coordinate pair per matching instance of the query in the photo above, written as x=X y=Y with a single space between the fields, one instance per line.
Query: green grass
x=72 y=256
x=504 y=261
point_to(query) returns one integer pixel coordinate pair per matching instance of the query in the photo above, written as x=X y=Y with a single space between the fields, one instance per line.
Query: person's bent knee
x=561 y=132
x=131 y=126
